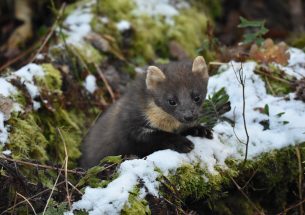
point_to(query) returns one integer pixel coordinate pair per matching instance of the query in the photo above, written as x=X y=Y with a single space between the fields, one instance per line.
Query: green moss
x=26 y=139
x=188 y=32
x=88 y=53
x=52 y=79
x=135 y=205
x=115 y=10
x=62 y=127
x=298 y=41
x=151 y=36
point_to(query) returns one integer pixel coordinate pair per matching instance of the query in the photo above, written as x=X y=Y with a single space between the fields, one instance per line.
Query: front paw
x=202 y=131
x=183 y=146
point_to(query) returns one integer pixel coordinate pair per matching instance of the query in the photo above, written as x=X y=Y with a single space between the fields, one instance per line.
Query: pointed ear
x=200 y=66
x=154 y=76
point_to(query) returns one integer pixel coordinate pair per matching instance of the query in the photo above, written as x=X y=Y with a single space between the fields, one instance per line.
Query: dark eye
x=172 y=102
x=196 y=98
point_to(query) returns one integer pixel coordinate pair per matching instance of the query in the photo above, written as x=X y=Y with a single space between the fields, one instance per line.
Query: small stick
x=105 y=82
x=27 y=202
x=52 y=190
x=49 y=35
x=36 y=195
x=241 y=78
x=21 y=55
x=66 y=167
x=298 y=153
x=41 y=165
x=291 y=207
x=245 y=195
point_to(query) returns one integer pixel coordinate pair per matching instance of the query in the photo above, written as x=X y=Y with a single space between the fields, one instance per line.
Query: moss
x=298 y=41
x=194 y=182
x=26 y=139
x=115 y=10
x=150 y=36
x=135 y=205
x=52 y=79
x=189 y=33
x=233 y=204
x=62 y=126
x=89 y=54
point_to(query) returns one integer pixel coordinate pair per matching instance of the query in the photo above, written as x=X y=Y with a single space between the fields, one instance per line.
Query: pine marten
x=157 y=111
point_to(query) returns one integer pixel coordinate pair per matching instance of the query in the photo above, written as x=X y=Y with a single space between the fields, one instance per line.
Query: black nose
x=188 y=118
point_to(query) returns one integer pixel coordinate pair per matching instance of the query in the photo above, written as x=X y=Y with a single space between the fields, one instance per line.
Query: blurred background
x=23 y=22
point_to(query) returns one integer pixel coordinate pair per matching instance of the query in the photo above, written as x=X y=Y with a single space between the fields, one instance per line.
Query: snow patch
x=296 y=63
x=155 y=9
x=3 y=130
x=26 y=75
x=7 y=152
x=90 y=83
x=123 y=25
x=6 y=88
x=284 y=130
x=78 y=23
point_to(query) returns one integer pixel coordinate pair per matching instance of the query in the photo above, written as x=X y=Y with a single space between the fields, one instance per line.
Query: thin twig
x=272 y=77
x=245 y=195
x=105 y=82
x=52 y=190
x=241 y=78
x=297 y=149
x=66 y=167
x=250 y=179
x=17 y=58
x=291 y=207
x=74 y=188
x=41 y=165
x=36 y=195
x=234 y=117
x=25 y=199
x=51 y=32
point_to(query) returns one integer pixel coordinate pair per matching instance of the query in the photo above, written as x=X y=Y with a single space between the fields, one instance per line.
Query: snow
x=27 y=75
x=257 y=97
x=155 y=9
x=296 y=63
x=3 y=130
x=90 y=83
x=210 y=153
x=6 y=88
x=123 y=25
x=7 y=152
x=78 y=23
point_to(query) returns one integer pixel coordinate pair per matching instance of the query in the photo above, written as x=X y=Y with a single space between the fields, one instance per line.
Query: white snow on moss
x=3 y=130
x=27 y=75
x=78 y=23
x=90 y=83
x=287 y=129
x=6 y=88
x=296 y=63
x=156 y=9
x=123 y=25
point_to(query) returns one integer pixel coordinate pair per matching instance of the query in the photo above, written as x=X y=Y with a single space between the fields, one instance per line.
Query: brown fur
x=158 y=118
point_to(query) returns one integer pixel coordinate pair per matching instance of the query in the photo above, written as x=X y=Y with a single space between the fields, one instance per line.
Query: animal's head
x=179 y=88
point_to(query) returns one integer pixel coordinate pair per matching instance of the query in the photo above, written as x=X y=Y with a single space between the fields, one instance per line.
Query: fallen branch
x=105 y=82
x=51 y=32
x=42 y=166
